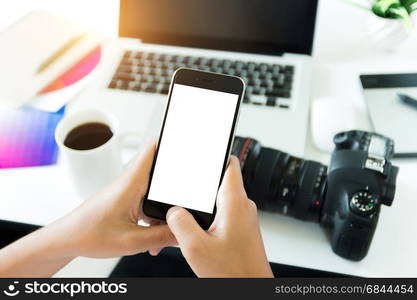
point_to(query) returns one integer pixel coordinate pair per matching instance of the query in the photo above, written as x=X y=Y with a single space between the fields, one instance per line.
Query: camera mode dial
x=363 y=203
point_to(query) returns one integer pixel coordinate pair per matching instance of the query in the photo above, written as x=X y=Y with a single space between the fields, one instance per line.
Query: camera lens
x=279 y=182
x=247 y=150
x=262 y=185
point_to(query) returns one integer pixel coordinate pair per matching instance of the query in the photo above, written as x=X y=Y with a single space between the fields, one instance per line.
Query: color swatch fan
x=27 y=137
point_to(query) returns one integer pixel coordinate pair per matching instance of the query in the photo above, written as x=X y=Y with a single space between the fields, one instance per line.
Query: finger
x=153 y=237
x=233 y=177
x=184 y=226
x=142 y=166
x=151 y=221
x=135 y=180
x=232 y=188
x=154 y=251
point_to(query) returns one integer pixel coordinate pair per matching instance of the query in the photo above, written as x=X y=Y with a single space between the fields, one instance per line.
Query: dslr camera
x=345 y=198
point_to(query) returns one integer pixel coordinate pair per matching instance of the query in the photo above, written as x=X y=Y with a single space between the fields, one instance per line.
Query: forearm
x=39 y=254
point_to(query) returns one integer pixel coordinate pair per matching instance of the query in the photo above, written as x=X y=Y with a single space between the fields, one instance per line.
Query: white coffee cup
x=91 y=169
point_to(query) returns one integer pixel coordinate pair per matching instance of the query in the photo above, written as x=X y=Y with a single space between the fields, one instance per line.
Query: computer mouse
x=330 y=116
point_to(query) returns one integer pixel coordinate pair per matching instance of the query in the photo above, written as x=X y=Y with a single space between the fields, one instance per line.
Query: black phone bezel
x=205 y=80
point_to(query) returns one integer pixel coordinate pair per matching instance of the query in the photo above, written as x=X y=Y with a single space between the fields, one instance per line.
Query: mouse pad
x=388 y=115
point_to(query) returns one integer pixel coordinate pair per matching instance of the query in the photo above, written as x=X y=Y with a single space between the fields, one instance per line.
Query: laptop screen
x=254 y=26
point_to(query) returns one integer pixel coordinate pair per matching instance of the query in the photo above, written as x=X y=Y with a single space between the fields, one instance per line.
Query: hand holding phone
x=233 y=246
x=194 y=144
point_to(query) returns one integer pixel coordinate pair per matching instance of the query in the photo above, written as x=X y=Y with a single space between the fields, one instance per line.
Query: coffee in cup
x=88 y=136
x=90 y=146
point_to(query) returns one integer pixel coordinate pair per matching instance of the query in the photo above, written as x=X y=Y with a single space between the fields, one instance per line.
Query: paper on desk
x=68 y=85
x=54 y=101
x=35 y=51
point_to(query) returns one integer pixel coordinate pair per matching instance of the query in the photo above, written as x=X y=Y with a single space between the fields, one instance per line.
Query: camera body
x=360 y=178
x=344 y=198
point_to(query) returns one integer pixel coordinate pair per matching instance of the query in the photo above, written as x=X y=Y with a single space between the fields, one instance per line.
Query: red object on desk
x=77 y=72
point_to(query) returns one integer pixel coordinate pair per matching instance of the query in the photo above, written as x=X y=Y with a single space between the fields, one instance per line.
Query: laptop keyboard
x=266 y=84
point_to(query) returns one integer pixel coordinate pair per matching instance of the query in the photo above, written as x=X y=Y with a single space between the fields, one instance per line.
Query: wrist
x=72 y=234
x=56 y=242
x=63 y=238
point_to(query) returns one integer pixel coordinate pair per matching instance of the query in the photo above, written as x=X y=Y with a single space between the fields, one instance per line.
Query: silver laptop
x=268 y=43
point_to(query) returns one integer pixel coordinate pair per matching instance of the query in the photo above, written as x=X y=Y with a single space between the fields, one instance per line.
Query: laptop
x=267 y=43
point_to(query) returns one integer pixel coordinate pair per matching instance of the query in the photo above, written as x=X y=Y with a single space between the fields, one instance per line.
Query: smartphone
x=194 y=144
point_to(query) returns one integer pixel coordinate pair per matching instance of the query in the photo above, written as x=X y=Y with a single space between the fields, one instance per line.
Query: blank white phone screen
x=193 y=147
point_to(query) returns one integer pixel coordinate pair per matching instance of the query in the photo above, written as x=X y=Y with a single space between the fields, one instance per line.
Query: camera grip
x=350 y=239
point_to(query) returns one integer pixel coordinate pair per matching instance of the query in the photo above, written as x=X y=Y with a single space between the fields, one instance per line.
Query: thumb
x=136 y=178
x=183 y=226
x=143 y=164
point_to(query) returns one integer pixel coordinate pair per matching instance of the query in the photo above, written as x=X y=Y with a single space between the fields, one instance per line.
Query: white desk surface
x=43 y=194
